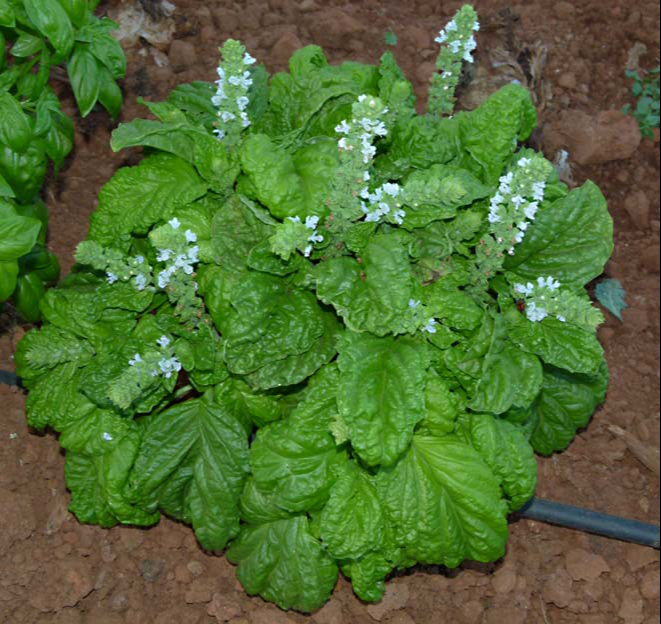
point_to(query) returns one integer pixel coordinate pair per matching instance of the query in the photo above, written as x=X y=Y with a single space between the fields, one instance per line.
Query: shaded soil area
x=573 y=55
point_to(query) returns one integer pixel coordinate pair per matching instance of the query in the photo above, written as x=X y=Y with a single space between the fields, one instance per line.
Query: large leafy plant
x=324 y=330
x=35 y=37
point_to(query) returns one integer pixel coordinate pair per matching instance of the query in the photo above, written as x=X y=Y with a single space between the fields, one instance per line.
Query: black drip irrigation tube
x=591 y=522
x=551 y=512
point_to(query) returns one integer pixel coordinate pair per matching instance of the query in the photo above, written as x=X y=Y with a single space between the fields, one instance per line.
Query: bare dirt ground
x=56 y=571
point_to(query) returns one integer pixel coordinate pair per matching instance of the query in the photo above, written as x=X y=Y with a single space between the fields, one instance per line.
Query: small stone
x=649 y=587
x=589 y=140
x=650 y=259
x=196 y=568
x=567 y=80
x=201 y=590
x=396 y=597
x=151 y=569
x=182 y=55
x=637 y=206
x=558 y=590
x=504 y=581
x=585 y=566
x=225 y=606
x=284 y=48
x=632 y=607
x=308 y=6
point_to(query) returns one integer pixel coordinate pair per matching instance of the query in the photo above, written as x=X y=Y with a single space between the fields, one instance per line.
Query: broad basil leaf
x=381 y=394
x=53 y=22
x=283 y=563
x=15 y=130
x=571 y=240
x=197 y=453
x=295 y=459
x=445 y=503
x=372 y=295
x=508 y=453
x=138 y=197
x=352 y=522
x=17 y=236
x=565 y=405
x=8 y=276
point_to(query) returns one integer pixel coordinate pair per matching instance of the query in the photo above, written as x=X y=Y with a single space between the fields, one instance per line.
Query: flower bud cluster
x=420 y=319
x=117 y=267
x=383 y=204
x=178 y=251
x=231 y=97
x=545 y=299
x=458 y=42
x=296 y=234
x=145 y=370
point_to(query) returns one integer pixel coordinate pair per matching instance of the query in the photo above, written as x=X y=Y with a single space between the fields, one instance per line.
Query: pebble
x=284 y=48
x=650 y=259
x=504 y=581
x=632 y=607
x=182 y=55
x=585 y=566
x=151 y=569
x=558 y=590
x=396 y=597
x=330 y=613
x=637 y=206
x=609 y=135
x=567 y=80
x=200 y=590
x=649 y=586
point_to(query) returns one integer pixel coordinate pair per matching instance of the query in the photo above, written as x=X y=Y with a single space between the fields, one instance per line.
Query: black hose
x=9 y=379
x=592 y=522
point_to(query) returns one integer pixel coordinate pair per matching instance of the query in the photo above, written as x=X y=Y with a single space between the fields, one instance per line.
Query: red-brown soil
x=56 y=571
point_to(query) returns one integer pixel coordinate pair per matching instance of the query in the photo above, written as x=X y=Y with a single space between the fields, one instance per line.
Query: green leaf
x=490 y=132
x=7 y=15
x=259 y=506
x=197 y=453
x=372 y=295
x=289 y=186
x=295 y=459
x=77 y=10
x=109 y=52
x=453 y=306
x=565 y=405
x=53 y=22
x=444 y=503
x=5 y=189
x=26 y=45
x=136 y=198
x=381 y=394
x=8 y=275
x=15 y=129
x=283 y=563
x=508 y=453
x=570 y=240
x=442 y=407
x=215 y=164
x=85 y=77
x=611 y=295
x=110 y=95
x=17 y=236
x=352 y=522
x=97 y=482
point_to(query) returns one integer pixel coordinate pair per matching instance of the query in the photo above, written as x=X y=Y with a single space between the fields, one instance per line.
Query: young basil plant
x=35 y=36
x=323 y=330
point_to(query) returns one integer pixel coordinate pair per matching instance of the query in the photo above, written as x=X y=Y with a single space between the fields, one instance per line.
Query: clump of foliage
x=646 y=90
x=35 y=37
x=323 y=330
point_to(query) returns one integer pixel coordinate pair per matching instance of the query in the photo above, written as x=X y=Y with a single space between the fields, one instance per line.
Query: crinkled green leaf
x=490 y=133
x=352 y=522
x=295 y=459
x=565 y=405
x=283 y=563
x=442 y=407
x=453 y=306
x=138 y=197
x=196 y=452
x=381 y=394
x=571 y=240
x=374 y=294
x=508 y=453
x=611 y=295
x=259 y=506
x=444 y=503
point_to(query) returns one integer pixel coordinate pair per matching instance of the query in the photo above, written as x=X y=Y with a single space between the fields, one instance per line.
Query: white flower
x=163 y=342
x=561 y=318
x=548 y=282
x=242 y=102
x=140 y=282
x=136 y=358
x=191 y=236
x=111 y=277
x=316 y=238
x=311 y=222
x=244 y=81
x=442 y=37
x=164 y=255
x=362 y=98
x=391 y=189
x=476 y=26
x=307 y=252
x=518 y=236
x=245 y=120
x=524 y=289
x=451 y=26
x=343 y=127
x=524 y=162
x=430 y=327
x=531 y=210
x=523 y=226
x=399 y=217
x=494 y=217
x=342 y=144
x=227 y=116
x=380 y=129
x=139 y=259
x=366 y=176
x=372 y=217
x=248 y=59
x=169 y=366
x=174 y=223
x=538 y=190
x=535 y=313
x=294 y=219
x=413 y=304
x=193 y=254
x=455 y=46
x=368 y=151
x=164 y=277
x=220 y=134
x=107 y=437
x=517 y=200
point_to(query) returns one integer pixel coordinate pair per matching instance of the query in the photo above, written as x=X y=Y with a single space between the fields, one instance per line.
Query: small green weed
x=646 y=90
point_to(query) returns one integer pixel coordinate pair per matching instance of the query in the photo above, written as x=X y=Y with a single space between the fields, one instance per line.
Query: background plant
x=645 y=89
x=323 y=330
x=35 y=37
